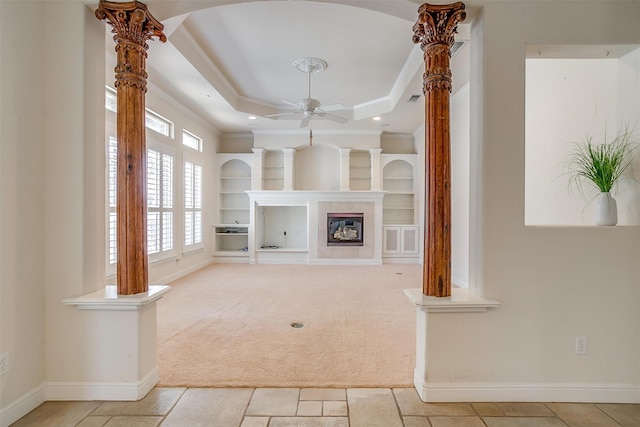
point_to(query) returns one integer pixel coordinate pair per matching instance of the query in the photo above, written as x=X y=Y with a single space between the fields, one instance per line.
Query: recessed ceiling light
x=252 y=117
x=376 y=118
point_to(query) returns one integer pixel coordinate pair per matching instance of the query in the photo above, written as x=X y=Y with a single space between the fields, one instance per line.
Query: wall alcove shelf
x=232 y=230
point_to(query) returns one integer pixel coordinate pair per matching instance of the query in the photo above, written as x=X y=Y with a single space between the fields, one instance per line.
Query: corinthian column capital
x=132 y=25
x=435 y=31
x=131 y=22
x=438 y=23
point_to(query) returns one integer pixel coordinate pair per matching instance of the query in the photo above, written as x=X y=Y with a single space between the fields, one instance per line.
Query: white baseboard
x=230 y=260
x=181 y=273
x=398 y=260
x=125 y=390
x=582 y=393
x=22 y=406
x=345 y=261
x=282 y=261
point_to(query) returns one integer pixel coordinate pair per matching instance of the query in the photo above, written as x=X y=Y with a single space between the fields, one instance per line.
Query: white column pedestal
x=118 y=346
x=459 y=302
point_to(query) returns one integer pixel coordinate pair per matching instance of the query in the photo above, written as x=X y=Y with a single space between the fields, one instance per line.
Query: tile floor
x=317 y=407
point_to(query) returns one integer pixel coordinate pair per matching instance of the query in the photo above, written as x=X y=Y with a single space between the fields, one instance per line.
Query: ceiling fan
x=310 y=107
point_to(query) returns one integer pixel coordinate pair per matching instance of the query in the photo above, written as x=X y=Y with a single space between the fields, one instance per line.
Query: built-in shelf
x=273 y=171
x=231 y=239
x=359 y=170
x=231 y=233
x=399 y=201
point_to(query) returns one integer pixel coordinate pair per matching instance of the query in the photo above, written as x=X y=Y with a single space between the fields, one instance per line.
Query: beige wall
x=22 y=172
x=553 y=283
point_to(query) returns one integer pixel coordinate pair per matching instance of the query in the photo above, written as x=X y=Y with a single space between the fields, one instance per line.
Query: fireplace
x=345 y=229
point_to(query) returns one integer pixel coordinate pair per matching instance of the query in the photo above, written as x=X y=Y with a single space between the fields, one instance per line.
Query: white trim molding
x=22 y=406
x=103 y=390
x=515 y=392
x=460 y=301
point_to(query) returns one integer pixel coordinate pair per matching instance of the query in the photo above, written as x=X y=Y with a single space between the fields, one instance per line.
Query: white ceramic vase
x=606 y=209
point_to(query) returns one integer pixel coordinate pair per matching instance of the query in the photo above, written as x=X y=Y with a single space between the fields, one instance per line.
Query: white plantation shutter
x=159 y=202
x=192 y=204
x=112 y=194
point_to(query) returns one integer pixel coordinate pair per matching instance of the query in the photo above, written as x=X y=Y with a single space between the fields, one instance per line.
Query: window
x=110 y=100
x=159 y=124
x=192 y=205
x=159 y=202
x=152 y=121
x=191 y=141
x=112 y=194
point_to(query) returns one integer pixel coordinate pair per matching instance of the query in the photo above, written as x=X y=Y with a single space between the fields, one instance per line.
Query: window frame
x=195 y=137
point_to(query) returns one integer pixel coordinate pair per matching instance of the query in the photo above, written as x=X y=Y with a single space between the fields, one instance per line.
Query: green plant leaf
x=601 y=164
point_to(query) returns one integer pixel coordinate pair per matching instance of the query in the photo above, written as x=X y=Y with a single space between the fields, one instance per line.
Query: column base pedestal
x=118 y=344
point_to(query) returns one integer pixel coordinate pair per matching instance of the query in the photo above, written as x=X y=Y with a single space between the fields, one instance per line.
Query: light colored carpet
x=229 y=325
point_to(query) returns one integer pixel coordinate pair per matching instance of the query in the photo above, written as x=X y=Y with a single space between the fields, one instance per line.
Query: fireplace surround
x=304 y=216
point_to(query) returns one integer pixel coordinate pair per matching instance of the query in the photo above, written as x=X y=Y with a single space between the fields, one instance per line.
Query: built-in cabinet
x=256 y=226
x=401 y=240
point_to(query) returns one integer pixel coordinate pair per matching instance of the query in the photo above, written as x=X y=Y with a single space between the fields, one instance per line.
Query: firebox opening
x=345 y=229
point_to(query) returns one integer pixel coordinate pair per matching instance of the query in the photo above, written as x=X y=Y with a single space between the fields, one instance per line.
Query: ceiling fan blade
x=305 y=121
x=334 y=107
x=291 y=103
x=335 y=118
x=292 y=114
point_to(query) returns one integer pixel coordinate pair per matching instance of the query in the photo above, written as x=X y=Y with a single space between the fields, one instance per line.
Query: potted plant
x=601 y=165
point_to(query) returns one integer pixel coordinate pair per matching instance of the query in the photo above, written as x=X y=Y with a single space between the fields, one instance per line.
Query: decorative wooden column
x=132 y=25
x=435 y=31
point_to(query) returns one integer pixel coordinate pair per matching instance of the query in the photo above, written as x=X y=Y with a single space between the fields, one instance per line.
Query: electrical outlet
x=4 y=363
x=581 y=345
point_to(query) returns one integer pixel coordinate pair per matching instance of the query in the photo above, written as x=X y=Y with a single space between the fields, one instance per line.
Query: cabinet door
x=410 y=240
x=392 y=240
